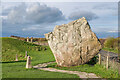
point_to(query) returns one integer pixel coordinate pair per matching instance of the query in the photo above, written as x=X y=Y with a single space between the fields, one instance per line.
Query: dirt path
x=80 y=74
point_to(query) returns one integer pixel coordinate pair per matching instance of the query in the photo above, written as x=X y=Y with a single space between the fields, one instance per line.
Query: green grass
x=17 y=70
x=13 y=69
x=11 y=47
x=97 y=69
x=110 y=50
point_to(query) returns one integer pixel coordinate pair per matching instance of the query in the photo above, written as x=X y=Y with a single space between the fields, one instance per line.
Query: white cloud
x=4 y=17
x=29 y=29
x=36 y=13
x=113 y=31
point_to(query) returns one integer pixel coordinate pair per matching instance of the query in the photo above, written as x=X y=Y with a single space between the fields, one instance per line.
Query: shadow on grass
x=92 y=62
x=14 y=61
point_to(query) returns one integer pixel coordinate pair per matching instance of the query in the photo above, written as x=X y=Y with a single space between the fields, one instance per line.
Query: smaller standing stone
x=31 y=39
x=27 y=39
x=26 y=54
x=28 y=64
x=16 y=58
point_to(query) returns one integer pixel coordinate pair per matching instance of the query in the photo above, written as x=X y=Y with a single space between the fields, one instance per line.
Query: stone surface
x=16 y=57
x=31 y=39
x=73 y=43
x=27 y=39
x=26 y=54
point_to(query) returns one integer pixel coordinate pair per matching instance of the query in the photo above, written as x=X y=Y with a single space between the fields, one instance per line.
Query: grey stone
x=27 y=39
x=73 y=43
x=26 y=54
x=28 y=64
x=31 y=39
x=16 y=57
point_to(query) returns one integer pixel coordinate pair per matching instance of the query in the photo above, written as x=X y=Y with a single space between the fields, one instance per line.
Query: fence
x=108 y=61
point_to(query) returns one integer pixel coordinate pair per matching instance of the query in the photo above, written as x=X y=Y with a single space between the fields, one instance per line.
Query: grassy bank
x=110 y=50
x=110 y=44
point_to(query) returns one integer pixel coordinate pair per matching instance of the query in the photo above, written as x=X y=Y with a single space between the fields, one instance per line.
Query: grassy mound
x=11 y=47
x=112 y=44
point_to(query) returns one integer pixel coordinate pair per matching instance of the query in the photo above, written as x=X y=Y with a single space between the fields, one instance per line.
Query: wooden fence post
x=107 y=62
x=99 y=58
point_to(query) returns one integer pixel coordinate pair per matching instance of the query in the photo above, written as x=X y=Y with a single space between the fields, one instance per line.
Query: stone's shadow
x=14 y=61
x=93 y=61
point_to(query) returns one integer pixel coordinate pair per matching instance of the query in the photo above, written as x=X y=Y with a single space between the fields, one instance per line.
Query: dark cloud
x=36 y=13
x=88 y=15
x=44 y=14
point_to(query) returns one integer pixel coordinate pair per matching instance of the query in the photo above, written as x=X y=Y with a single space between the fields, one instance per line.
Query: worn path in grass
x=80 y=74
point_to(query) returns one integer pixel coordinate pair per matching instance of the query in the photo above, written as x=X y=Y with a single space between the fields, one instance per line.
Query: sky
x=34 y=19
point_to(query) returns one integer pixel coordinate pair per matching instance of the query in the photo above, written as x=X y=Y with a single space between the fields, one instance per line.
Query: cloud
x=106 y=6
x=36 y=19
x=35 y=13
x=87 y=14
x=18 y=14
x=44 y=14
x=3 y=17
x=29 y=29
x=113 y=31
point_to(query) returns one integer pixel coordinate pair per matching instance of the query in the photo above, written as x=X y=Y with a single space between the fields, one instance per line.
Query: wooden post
x=99 y=58
x=107 y=62
x=119 y=69
x=16 y=58
x=26 y=54
x=113 y=63
x=31 y=39
x=119 y=59
x=28 y=64
x=27 y=39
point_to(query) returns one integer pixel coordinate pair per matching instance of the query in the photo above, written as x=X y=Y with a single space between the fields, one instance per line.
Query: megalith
x=73 y=43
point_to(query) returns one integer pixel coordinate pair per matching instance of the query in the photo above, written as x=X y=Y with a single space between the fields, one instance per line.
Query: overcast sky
x=34 y=19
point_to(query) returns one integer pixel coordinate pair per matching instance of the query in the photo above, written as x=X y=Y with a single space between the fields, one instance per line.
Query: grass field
x=38 y=54
x=17 y=70
x=13 y=69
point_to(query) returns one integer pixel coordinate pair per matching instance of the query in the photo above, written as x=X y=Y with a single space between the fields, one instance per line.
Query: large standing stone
x=73 y=43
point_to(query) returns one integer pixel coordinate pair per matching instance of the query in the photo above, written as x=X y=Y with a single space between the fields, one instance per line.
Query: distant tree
x=110 y=42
